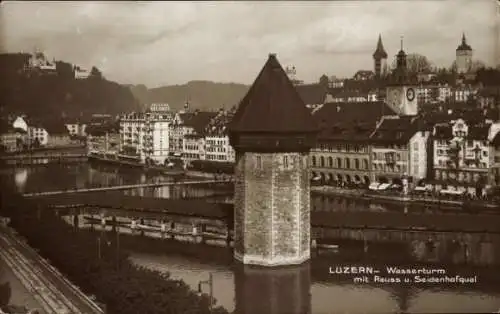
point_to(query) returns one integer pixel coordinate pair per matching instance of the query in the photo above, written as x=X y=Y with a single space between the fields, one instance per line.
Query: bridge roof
x=219 y=211
x=116 y=200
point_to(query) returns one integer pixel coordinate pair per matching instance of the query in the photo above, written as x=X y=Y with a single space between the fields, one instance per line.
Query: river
x=294 y=289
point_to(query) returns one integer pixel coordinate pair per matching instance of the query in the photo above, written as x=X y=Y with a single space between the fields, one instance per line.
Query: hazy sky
x=157 y=43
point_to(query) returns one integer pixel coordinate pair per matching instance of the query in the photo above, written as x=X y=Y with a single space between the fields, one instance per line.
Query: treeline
x=39 y=93
x=109 y=275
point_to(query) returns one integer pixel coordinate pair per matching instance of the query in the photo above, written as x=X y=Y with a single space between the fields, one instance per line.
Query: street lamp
x=210 y=284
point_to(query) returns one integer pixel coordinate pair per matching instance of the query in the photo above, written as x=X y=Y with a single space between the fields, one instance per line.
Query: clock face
x=410 y=94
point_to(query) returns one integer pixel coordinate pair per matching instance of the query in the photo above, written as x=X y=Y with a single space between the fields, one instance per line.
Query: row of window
x=460 y=176
x=389 y=168
x=338 y=162
x=342 y=148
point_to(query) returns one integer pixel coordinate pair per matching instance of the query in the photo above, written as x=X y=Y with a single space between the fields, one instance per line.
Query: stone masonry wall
x=286 y=192
x=258 y=201
x=272 y=203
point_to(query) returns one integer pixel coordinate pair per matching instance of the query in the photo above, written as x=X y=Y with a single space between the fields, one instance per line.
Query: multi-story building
x=399 y=149
x=464 y=93
x=193 y=129
x=103 y=139
x=342 y=154
x=81 y=73
x=145 y=136
x=10 y=137
x=76 y=128
x=217 y=146
x=462 y=156
x=489 y=97
x=194 y=148
x=495 y=162
x=430 y=93
x=37 y=134
x=58 y=134
x=350 y=96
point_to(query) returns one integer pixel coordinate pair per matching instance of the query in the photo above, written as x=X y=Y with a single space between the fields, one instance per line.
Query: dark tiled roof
x=490 y=91
x=395 y=130
x=349 y=121
x=100 y=130
x=55 y=128
x=380 y=51
x=198 y=120
x=272 y=104
x=476 y=132
x=464 y=46
x=312 y=93
x=496 y=140
x=217 y=126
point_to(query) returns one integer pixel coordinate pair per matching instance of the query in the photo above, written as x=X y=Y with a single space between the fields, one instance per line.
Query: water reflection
x=284 y=290
x=20 y=178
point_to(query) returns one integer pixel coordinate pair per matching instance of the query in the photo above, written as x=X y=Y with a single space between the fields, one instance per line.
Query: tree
x=324 y=81
x=416 y=63
x=96 y=73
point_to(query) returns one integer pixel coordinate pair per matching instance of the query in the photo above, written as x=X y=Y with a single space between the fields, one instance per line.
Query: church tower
x=379 y=58
x=401 y=92
x=464 y=56
x=272 y=133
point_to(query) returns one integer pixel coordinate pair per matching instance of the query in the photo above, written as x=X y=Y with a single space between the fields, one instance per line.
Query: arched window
x=313 y=159
x=356 y=164
x=347 y=163
x=339 y=162
x=330 y=162
x=321 y=161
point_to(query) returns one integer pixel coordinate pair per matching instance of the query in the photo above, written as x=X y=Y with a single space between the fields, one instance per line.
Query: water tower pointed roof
x=380 y=52
x=272 y=105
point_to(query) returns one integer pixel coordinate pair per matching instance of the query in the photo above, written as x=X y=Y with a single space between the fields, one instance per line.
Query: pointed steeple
x=464 y=46
x=380 y=53
x=272 y=105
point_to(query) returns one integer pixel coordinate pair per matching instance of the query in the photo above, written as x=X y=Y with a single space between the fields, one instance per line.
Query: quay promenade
x=405 y=199
x=53 y=292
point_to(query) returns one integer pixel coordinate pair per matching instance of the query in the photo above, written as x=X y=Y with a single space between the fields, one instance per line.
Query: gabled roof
x=395 y=130
x=272 y=105
x=496 y=140
x=350 y=121
x=198 y=120
x=380 y=51
x=312 y=93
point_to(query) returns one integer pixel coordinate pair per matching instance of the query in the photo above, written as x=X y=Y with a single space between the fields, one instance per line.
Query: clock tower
x=401 y=93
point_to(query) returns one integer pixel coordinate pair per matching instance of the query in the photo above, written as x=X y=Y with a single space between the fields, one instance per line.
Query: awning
x=420 y=188
x=373 y=186
x=451 y=192
x=316 y=178
x=383 y=186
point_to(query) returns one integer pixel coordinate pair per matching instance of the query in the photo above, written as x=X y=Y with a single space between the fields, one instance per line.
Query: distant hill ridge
x=34 y=92
x=203 y=95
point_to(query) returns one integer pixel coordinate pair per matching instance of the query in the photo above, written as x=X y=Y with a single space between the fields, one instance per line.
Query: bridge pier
x=172 y=228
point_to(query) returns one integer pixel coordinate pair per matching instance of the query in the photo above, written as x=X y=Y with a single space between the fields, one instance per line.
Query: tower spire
x=401 y=43
x=464 y=41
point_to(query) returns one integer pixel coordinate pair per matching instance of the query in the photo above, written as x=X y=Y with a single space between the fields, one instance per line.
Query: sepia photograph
x=250 y=157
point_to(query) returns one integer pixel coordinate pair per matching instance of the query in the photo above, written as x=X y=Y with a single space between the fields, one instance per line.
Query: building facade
x=146 y=135
x=463 y=156
x=398 y=148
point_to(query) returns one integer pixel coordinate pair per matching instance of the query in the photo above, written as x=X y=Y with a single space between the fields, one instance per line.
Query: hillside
x=203 y=95
x=38 y=93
